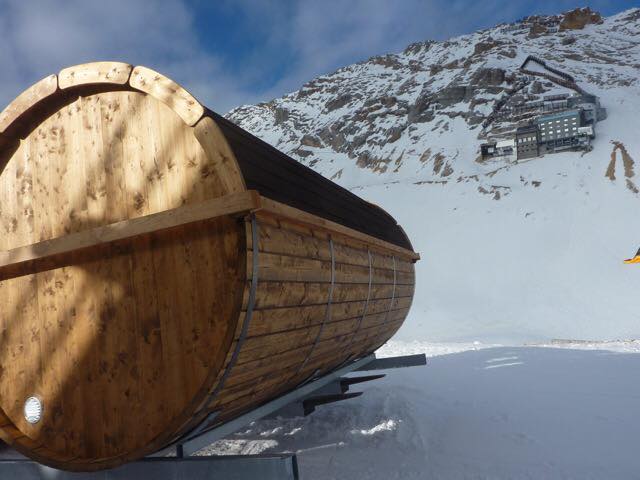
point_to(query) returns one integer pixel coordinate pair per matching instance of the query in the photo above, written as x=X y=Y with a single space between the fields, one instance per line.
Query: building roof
x=506 y=143
x=283 y=179
x=557 y=115
x=527 y=129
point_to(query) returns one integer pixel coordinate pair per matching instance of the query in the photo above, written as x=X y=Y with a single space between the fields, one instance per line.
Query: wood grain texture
x=27 y=100
x=126 y=265
x=222 y=161
x=121 y=359
x=300 y=216
x=116 y=73
x=168 y=92
x=287 y=181
x=290 y=310
x=49 y=253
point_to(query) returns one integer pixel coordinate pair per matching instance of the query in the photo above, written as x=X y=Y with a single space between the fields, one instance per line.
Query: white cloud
x=41 y=37
x=291 y=41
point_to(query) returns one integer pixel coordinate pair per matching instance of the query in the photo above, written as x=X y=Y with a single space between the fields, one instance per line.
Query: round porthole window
x=33 y=410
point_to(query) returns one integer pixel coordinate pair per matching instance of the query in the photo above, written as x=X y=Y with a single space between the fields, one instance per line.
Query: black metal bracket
x=417 y=360
x=309 y=405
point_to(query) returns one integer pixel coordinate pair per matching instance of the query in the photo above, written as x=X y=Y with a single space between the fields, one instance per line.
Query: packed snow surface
x=565 y=411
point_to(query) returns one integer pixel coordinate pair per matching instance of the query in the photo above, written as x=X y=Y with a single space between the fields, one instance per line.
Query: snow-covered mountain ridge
x=512 y=250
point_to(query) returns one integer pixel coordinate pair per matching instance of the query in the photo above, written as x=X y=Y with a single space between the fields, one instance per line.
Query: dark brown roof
x=281 y=178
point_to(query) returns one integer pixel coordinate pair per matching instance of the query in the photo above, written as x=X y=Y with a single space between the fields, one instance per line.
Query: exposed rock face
x=311 y=141
x=484 y=46
x=396 y=114
x=281 y=115
x=537 y=29
x=339 y=102
x=454 y=94
x=579 y=18
x=484 y=77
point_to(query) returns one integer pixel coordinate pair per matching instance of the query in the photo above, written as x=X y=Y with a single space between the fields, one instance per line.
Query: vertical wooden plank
x=157 y=145
x=121 y=341
x=148 y=325
x=21 y=301
x=43 y=155
x=79 y=304
x=172 y=191
x=192 y=250
x=53 y=150
x=100 y=313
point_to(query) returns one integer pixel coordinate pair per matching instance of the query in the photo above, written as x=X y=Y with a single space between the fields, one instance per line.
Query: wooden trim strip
x=42 y=256
x=299 y=216
x=327 y=315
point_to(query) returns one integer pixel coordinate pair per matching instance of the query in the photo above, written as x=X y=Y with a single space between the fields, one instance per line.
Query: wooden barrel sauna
x=158 y=264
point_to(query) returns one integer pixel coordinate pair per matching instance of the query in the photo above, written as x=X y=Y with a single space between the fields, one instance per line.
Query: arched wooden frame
x=97 y=77
x=106 y=75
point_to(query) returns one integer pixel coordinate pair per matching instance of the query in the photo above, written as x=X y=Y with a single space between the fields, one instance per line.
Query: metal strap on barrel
x=209 y=420
x=327 y=315
x=393 y=294
x=247 y=318
x=366 y=304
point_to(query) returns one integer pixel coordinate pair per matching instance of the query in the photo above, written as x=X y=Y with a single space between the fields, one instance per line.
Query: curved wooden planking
x=148 y=351
x=302 y=217
x=284 y=336
x=391 y=218
x=127 y=344
x=222 y=158
x=168 y=92
x=27 y=100
x=116 y=73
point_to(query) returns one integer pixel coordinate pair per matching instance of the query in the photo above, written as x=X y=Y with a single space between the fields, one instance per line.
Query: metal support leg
x=243 y=467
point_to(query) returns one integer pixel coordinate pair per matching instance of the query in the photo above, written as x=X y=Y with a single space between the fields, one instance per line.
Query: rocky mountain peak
x=422 y=113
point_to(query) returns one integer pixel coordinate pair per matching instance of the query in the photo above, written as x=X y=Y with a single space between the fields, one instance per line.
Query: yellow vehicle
x=635 y=259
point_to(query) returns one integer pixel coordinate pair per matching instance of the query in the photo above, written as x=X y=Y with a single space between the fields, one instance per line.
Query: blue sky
x=230 y=53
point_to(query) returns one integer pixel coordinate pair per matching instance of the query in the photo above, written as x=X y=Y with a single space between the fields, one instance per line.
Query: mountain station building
x=527 y=142
x=562 y=131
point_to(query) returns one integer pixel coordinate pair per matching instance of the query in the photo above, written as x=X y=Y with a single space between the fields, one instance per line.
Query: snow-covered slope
x=512 y=250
